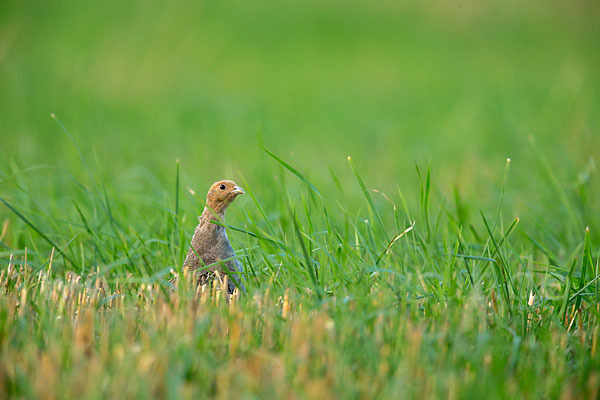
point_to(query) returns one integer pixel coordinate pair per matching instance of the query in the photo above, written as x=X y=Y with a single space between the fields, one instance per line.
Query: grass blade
x=502 y=273
x=38 y=231
x=368 y=197
x=293 y=171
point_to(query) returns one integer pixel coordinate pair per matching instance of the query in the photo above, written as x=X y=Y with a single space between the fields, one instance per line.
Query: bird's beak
x=238 y=190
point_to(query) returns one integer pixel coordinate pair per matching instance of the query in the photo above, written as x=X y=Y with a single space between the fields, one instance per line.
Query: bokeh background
x=461 y=85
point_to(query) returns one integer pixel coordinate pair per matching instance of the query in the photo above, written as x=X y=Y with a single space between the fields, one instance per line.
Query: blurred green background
x=462 y=85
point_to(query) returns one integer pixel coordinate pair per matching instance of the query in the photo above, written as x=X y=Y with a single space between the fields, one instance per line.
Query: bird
x=210 y=244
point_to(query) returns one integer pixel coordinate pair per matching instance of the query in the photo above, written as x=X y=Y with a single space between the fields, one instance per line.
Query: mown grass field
x=422 y=208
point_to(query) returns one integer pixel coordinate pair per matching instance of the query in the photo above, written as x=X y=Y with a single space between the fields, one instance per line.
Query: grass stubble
x=338 y=305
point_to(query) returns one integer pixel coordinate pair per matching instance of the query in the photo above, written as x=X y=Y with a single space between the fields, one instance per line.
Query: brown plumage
x=210 y=243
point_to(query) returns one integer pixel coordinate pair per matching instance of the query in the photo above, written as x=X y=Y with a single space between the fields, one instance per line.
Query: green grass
x=390 y=249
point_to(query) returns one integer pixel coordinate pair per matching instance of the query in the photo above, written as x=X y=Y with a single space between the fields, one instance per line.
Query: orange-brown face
x=221 y=194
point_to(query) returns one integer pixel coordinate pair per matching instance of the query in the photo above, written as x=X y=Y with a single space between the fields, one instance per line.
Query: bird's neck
x=212 y=215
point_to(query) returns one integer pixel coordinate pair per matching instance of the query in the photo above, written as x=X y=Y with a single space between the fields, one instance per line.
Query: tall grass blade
x=293 y=171
x=424 y=191
x=567 y=291
x=587 y=263
x=502 y=273
x=38 y=231
x=368 y=197
x=309 y=264
x=248 y=189
x=394 y=240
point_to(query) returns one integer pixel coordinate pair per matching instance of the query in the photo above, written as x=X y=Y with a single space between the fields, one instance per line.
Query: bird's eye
x=222 y=187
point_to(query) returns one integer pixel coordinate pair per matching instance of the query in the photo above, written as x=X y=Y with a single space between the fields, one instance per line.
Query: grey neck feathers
x=208 y=215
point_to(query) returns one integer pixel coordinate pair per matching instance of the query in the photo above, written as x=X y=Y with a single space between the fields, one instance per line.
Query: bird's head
x=221 y=194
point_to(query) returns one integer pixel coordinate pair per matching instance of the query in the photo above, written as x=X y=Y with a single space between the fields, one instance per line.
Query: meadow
x=422 y=203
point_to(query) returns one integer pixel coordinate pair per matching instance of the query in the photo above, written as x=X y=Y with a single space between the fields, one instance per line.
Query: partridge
x=210 y=243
